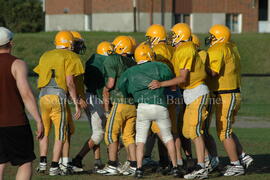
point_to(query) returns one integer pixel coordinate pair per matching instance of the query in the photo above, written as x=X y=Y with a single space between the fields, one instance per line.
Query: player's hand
x=154 y=85
x=40 y=130
x=78 y=112
x=82 y=103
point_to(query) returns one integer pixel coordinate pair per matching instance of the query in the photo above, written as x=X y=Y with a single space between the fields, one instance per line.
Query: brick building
x=129 y=15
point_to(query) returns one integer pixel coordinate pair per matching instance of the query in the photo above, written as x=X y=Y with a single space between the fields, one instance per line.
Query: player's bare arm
x=175 y=81
x=106 y=94
x=19 y=71
x=72 y=91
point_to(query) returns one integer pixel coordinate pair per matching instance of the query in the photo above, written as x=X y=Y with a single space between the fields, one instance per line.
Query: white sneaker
x=197 y=173
x=124 y=167
x=234 y=170
x=246 y=161
x=42 y=167
x=108 y=171
x=66 y=169
x=130 y=171
x=56 y=171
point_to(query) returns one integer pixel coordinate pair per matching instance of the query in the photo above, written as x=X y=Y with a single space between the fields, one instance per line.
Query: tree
x=22 y=15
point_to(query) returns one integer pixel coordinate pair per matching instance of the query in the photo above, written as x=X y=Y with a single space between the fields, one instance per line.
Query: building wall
x=57 y=22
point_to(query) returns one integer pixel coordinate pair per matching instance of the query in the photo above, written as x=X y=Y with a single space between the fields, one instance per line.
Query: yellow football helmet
x=64 y=39
x=156 y=33
x=78 y=45
x=196 y=40
x=134 y=44
x=179 y=33
x=144 y=53
x=218 y=33
x=122 y=45
x=104 y=48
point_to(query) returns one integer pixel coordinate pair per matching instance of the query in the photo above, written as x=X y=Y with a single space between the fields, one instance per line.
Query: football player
x=57 y=70
x=211 y=156
x=224 y=67
x=152 y=105
x=123 y=112
x=191 y=76
x=94 y=82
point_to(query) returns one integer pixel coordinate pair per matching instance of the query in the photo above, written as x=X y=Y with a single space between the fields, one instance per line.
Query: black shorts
x=16 y=145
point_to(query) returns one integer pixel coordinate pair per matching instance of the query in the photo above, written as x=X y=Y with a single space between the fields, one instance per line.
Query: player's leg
x=142 y=129
x=224 y=114
x=97 y=155
x=112 y=130
x=164 y=123
x=45 y=107
x=65 y=160
x=211 y=155
x=128 y=138
x=59 y=120
x=194 y=117
x=2 y=169
x=24 y=171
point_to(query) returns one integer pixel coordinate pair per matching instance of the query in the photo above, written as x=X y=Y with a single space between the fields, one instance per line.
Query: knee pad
x=97 y=137
x=166 y=134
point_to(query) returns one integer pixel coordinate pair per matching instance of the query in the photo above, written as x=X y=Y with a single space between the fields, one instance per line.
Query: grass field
x=253 y=49
x=255 y=100
x=255 y=141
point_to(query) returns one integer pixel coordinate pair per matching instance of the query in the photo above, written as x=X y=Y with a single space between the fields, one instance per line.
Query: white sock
x=65 y=161
x=237 y=163
x=180 y=162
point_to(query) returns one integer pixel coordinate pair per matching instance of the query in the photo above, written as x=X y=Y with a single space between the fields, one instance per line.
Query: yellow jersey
x=164 y=54
x=224 y=59
x=186 y=57
x=63 y=62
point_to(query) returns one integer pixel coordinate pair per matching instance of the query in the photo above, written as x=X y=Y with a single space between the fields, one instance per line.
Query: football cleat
x=124 y=167
x=197 y=173
x=130 y=171
x=212 y=165
x=108 y=171
x=246 y=161
x=77 y=166
x=56 y=172
x=42 y=167
x=139 y=173
x=234 y=170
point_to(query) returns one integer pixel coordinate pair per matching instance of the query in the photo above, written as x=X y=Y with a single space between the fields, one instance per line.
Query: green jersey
x=135 y=82
x=94 y=75
x=114 y=66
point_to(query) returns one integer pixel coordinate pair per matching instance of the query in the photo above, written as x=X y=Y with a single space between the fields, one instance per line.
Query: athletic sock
x=64 y=161
x=54 y=164
x=113 y=163
x=202 y=165
x=133 y=163
x=236 y=163
x=43 y=159
x=180 y=162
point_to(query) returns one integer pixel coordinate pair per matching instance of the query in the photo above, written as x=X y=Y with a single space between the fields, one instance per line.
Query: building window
x=263 y=10
x=234 y=22
x=181 y=18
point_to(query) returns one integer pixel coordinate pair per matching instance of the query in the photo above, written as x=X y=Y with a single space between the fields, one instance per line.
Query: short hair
x=6 y=46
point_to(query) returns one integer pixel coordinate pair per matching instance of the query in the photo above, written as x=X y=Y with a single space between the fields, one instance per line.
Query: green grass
x=253 y=48
x=255 y=142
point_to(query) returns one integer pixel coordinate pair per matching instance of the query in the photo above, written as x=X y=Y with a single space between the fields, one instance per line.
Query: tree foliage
x=22 y=15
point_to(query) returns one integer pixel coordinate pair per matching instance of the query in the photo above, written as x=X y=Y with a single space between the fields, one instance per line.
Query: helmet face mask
x=79 y=47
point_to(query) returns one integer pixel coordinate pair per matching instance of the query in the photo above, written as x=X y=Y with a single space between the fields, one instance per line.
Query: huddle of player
x=166 y=87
